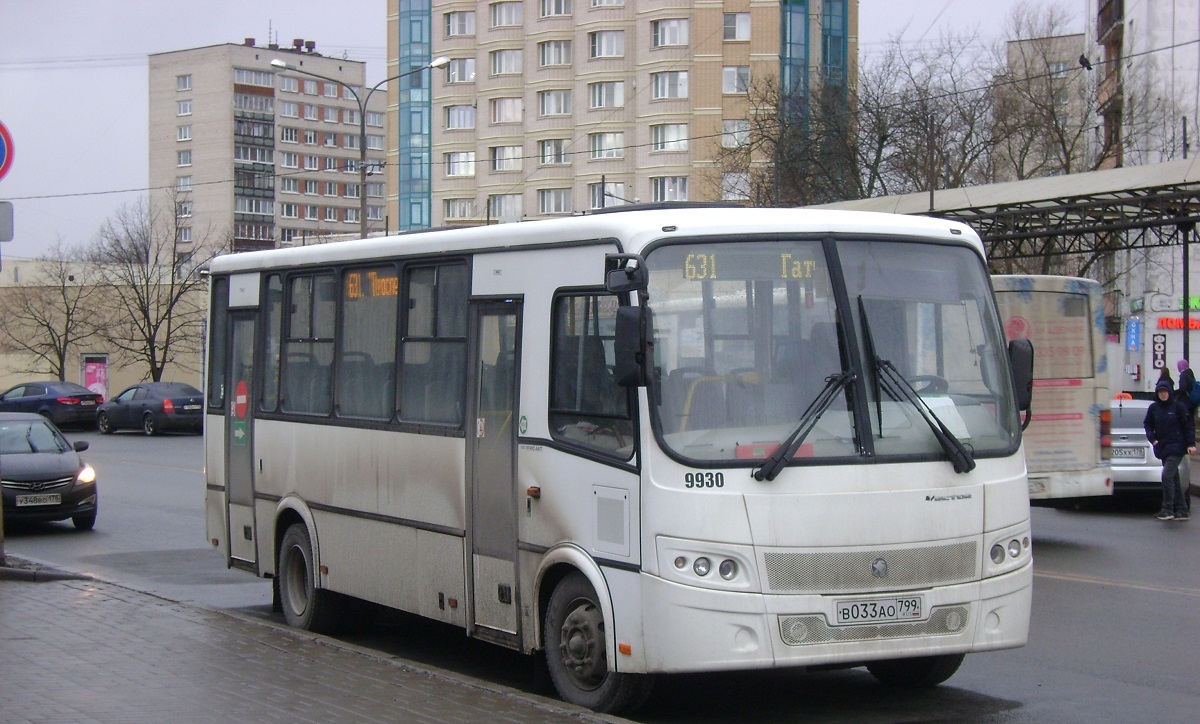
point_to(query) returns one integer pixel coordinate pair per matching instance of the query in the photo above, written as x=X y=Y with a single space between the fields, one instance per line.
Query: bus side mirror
x=1020 y=361
x=629 y=346
x=625 y=273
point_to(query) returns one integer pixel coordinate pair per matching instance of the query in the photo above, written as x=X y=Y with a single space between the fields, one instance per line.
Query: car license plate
x=191 y=408
x=43 y=499
x=1128 y=452
x=85 y=403
x=906 y=608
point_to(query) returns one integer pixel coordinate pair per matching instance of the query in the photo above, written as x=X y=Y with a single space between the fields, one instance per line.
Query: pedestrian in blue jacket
x=1169 y=429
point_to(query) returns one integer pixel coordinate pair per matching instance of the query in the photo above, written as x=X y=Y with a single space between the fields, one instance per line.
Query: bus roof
x=634 y=229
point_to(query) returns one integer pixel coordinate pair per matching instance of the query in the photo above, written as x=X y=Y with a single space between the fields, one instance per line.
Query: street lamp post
x=362 y=102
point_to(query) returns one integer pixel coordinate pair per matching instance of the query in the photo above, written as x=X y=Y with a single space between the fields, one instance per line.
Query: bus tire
x=576 y=657
x=919 y=672
x=304 y=605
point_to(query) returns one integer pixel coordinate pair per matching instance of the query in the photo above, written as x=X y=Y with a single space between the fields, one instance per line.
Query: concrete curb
x=19 y=569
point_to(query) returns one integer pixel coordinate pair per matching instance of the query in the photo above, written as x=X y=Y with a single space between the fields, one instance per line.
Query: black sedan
x=153 y=407
x=41 y=474
x=63 y=403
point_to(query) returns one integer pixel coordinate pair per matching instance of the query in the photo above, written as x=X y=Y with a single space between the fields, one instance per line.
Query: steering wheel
x=929 y=384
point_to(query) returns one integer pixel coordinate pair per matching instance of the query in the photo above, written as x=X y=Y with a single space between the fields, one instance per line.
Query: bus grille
x=855 y=571
x=812 y=629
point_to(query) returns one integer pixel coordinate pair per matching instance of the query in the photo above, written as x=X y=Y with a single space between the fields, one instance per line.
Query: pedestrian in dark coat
x=1169 y=429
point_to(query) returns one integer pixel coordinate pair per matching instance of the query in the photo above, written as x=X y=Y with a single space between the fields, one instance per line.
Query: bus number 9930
x=704 y=480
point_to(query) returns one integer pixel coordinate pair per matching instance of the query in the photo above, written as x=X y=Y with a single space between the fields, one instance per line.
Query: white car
x=1134 y=467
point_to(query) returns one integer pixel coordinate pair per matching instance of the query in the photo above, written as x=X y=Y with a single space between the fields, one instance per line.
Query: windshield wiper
x=783 y=455
x=898 y=388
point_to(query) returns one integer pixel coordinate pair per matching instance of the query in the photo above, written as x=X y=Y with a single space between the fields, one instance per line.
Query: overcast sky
x=73 y=83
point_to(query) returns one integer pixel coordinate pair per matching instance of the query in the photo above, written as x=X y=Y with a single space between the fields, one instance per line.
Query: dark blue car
x=63 y=403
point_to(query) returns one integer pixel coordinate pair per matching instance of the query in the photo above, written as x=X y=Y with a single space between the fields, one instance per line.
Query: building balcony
x=1109 y=17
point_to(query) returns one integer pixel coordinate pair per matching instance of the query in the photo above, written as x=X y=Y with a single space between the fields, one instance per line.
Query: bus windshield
x=752 y=337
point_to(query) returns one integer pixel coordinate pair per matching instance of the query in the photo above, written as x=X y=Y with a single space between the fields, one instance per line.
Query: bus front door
x=239 y=442
x=491 y=462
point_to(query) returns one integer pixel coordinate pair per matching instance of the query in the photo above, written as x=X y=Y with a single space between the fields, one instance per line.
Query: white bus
x=662 y=440
x=1067 y=440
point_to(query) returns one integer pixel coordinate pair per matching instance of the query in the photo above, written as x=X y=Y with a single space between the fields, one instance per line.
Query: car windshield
x=25 y=437
x=749 y=334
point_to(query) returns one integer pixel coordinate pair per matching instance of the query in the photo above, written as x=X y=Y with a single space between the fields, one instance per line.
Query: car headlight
x=86 y=475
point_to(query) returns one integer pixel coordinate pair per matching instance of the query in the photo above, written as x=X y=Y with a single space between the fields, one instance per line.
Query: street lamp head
x=282 y=64
x=439 y=61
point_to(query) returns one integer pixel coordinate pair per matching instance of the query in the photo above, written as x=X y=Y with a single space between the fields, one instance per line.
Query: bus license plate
x=1128 y=452
x=907 y=608
x=43 y=499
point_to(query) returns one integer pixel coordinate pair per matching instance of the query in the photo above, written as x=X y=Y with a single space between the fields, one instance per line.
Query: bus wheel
x=304 y=605
x=575 y=653
x=916 y=673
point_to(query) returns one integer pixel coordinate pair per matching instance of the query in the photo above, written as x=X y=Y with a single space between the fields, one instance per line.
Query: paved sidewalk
x=78 y=650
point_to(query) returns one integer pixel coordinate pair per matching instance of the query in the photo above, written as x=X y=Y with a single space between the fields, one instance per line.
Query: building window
x=602 y=196
x=461 y=70
x=288 y=84
x=608 y=3
x=289 y=185
x=735 y=79
x=289 y=135
x=183 y=209
x=607 y=145
x=555 y=8
x=737 y=26
x=312 y=163
x=352 y=191
x=350 y=116
x=331 y=213
x=460 y=208
x=289 y=109
x=183 y=82
x=311 y=112
x=553 y=152
x=607 y=94
x=260 y=78
x=554 y=102
x=331 y=188
x=460 y=117
x=554 y=201
x=184 y=158
x=331 y=114
x=554 y=52
x=606 y=44
x=254 y=154
x=669 y=137
x=506 y=62
x=310 y=138
x=735 y=186
x=183 y=183
x=287 y=235
x=253 y=102
x=505 y=207
x=311 y=187
x=331 y=140
x=374 y=119
x=508 y=110
x=183 y=108
x=351 y=141
x=331 y=164
x=375 y=213
x=331 y=90
x=185 y=234
x=669 y=188
x=183 y=133
x=460 y=23
x=312 y=213
x=374 y=189
x=669 y=84
x=289 y=211
x=506 y=158
x=506 y=14
x=375 y=143
x=460 y=164
x=310 y=87
x=735 y=133
x=673 y=31
x=287 y=159
x=350 y=215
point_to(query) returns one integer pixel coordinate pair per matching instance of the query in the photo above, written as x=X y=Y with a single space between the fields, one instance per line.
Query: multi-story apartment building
x=1149 y=90
x=551 y=107
x=253 y=157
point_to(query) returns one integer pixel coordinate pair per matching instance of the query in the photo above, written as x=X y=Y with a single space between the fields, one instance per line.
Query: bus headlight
x=728 y=569
x=702 y=566
x=1014 y=548
x=997 y=554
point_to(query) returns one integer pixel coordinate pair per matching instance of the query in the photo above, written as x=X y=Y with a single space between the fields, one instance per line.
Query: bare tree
x=57 y=310
x=155 y=282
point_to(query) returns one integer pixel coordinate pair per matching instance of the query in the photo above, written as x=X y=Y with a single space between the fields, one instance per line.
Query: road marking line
x=1076 y=578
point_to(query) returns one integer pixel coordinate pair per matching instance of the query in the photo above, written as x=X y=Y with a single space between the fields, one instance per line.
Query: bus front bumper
x=693 y=629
